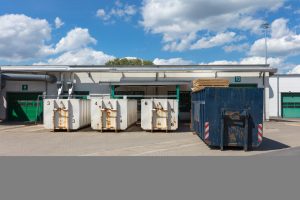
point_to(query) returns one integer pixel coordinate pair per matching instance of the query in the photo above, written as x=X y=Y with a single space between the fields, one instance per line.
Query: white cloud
x=295 y=70
x=274 y=62
x=181 y=45
x=288 y=7
x=172 y=61
x=22 y=37
x=238 y=47
x=279 y=63
x=118 y=3
x=84 y=56
x=128 y=10
x=76 y=51
x=121 y=11
x=187 y=42
x=297 y=12
x=279 y=28
x=58 y=23
x=180 y=18
x=102 y=14
x=218 y=40
x=249 y=23
x=283 y=41
x=285 y=46
x=77 y=38
x=131 y=57
x=223 y=62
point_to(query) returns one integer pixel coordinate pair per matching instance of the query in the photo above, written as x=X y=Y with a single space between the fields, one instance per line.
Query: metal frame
x=112 y=91
x=245 y=116
x=178 y=92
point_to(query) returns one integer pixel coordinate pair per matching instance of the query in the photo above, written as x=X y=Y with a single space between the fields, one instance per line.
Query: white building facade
x=20 y=91
x=285 y=96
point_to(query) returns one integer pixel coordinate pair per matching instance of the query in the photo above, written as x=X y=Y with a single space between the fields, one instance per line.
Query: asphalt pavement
x=281 y=138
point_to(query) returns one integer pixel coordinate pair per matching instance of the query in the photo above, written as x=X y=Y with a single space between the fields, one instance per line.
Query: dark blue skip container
x=229 y=116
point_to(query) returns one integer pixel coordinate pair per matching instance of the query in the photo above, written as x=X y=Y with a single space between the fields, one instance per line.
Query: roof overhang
x=287 y=75
x=138 y=69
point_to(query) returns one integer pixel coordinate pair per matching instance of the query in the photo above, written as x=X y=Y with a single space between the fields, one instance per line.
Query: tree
x=125 y=61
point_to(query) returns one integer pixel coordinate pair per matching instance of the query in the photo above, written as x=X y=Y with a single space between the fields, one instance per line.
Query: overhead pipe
x=28 y=77
x=70 y=86
x=60 y=86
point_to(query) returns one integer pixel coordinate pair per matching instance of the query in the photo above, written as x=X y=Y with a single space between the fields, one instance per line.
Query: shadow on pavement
x=269 y=145
x=17 y=123
x=183 y=128
x=286 y=152
x=284 y=120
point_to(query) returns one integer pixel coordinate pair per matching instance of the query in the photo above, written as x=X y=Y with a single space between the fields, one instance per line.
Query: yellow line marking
x=151 y=145
x=168 y=149
x=149 y=152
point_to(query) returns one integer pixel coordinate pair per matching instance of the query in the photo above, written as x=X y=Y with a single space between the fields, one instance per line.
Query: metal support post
x=112 y=91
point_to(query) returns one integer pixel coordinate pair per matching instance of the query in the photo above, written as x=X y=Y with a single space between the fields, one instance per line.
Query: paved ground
x=281 y=137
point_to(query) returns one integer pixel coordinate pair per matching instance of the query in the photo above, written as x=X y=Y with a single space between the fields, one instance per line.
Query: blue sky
x=166 y=31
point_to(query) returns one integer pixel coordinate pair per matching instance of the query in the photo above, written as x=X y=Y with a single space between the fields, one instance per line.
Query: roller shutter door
x=291 y=105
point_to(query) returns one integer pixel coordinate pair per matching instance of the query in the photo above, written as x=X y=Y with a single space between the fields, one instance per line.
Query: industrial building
x=285 y=96
x=24 y=87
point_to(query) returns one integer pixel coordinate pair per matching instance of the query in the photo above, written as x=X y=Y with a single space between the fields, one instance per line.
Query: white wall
x=281 y=84
x=273 y=97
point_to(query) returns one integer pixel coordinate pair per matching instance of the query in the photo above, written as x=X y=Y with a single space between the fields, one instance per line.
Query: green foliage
x=125 y=61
